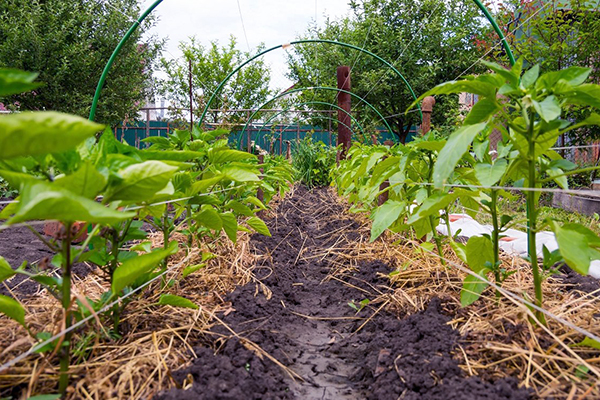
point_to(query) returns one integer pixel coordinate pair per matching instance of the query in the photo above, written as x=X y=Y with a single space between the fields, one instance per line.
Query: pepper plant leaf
x=12 y=309
x=45 y=201
x=141 y=181
x=86 y=181
x=6 y=270
x=176 y=301
x=578 y=245
x=384 y=216
x=209 y=217
x=457 y=145
x=15 y=81
x=132 y=269
x=489 y=175
x=230 y=225
x=259 y=226
x=40 y=133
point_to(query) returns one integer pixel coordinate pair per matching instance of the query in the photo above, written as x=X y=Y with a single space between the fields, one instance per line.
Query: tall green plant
x=528 y=107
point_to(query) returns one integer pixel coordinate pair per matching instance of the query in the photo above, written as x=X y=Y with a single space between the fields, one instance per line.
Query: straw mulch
x=156 y=339
x=500 y=338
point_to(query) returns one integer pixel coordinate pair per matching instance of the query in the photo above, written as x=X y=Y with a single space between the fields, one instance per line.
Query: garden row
x=71 y=170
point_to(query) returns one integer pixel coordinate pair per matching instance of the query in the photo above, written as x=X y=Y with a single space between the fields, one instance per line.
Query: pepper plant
x=528 y=108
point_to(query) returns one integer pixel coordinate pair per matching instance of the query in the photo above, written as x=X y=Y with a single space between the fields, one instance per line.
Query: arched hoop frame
x=153 y=6
x=288 y=109
x=316 y=88
x=324 y=103
x=326 y=118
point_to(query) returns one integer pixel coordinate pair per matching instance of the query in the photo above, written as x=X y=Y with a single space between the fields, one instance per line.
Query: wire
x=440 y=3
x=243 y=25
x=525 y=304
x=25 y=224
x=80 y=323
x=500 y=41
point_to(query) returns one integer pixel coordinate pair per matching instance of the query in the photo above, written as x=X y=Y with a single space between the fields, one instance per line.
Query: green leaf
x=86 y=181
x=12 y=309
x=45 y=201
x=209 y=218
x=191 y=269
x=482 y=111
x=16 y=179
x=578 y=245
x=472 y=289
x=46 y=397
x=508 y=75
x=480 y=87
x=549 y=109
x=480 y=251
x=239 y=174
x=384 y=216
x=259 y=226
x=239 y=208
x=457 y=145
x=460 y=250
x=489 y=175
x=530 y=77
x=221 y=156
x=574 y=76
x=432 y=205
x=230 y=225
x=40 y=133
x=170 y=155
x=15 y=81
x=587 y=342
x=255 y=201
x=202 y=185
x=141 y=181
x=176 y=301
x=6 y=270
x=128 y=272
x=587 y=95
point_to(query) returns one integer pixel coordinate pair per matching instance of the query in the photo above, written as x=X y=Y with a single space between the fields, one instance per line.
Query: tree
x=555 y=35
x=209 y=67
x=428 y=41
x=68 y=42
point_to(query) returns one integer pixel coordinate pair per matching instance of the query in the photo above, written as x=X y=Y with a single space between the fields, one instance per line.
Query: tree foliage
x=69 y=42
x=210 y=66
x=426 y=40
x=555 y=35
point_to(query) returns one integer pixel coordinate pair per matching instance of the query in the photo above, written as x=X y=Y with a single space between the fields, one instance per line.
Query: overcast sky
x=271 y=22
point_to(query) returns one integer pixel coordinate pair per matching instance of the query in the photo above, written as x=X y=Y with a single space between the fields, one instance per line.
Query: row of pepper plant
x=74 y=171
x=430 y=175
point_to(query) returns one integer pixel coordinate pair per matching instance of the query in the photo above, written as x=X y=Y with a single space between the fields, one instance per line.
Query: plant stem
x=532 y=224
x=65 y=350
x=436 y=237
x=496 y=238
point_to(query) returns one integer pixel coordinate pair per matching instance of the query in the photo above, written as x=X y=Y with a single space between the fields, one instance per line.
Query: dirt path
x=307 y=325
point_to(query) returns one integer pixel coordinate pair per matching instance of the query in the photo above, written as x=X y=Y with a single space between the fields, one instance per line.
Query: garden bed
x=286 y=317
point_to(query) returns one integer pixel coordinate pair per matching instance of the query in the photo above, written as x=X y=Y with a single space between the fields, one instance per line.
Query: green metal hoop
x=153 y=6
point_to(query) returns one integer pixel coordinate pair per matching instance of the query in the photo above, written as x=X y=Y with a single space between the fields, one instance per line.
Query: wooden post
x=345 y=103
x=427 y=109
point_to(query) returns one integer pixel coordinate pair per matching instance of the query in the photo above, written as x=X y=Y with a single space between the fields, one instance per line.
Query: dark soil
x=575 y=281
x=308 y=325
x=18 y=244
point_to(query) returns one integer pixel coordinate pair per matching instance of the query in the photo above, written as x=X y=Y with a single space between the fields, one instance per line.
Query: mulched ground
x=305 y=323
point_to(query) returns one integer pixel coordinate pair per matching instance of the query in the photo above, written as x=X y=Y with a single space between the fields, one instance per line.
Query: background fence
x=272 y=136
